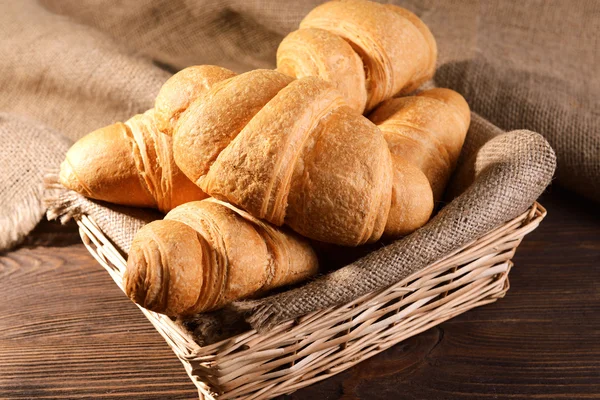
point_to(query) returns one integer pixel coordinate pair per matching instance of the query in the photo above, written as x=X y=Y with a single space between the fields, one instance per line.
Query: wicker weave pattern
x=321 y=344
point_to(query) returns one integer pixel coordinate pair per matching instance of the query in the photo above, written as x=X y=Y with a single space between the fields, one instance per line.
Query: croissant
x=289 y=151
x=427 y=131
x=206 y=254
x=370 y=52
x=128 y=163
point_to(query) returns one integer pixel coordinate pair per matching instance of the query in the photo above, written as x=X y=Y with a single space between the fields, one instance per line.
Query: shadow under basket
x=300 y=352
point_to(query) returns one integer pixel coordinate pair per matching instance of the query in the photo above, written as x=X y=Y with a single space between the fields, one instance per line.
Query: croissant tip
x=69 y=179
x=139 y=284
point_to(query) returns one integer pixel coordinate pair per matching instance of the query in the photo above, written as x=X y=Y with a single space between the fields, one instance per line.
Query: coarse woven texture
x=28 y=149
x=510 y=101
x=120 y=223
x=510 y=171
x=76 y=66
x=59 y=80
x=529 y=64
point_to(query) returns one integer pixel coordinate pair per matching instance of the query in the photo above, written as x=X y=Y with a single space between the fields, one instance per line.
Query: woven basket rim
x=224 y=354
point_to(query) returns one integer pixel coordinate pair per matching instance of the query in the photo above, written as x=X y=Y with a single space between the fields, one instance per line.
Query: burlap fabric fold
x=499 y=175
x=28 y=149
x=59 y=80
x=119 y=223
x=76 y=65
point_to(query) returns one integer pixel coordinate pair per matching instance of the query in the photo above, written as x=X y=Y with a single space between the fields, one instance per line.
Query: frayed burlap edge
x=119 y=223
x=21 y=218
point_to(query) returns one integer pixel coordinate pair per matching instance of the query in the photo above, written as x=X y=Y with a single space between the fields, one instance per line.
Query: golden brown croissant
x=289 y=151
x=132 y=163
x=370 y=52
x=206 y=254
x=128 y=163
x=427 y=131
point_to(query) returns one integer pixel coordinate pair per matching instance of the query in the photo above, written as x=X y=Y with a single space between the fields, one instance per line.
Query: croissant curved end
x=412 y=200
x=136 y=286
x=163 y=271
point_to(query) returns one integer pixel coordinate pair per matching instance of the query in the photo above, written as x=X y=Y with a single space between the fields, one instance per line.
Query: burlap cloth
x=70 y=66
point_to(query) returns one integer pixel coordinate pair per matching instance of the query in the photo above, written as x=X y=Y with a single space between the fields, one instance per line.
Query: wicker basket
x=321 y=344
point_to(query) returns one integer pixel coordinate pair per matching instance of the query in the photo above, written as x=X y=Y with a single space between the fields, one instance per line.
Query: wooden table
x=66 y=331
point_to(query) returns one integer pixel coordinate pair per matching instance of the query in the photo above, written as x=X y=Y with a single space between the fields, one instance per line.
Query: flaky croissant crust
x=369 y=51
x=206 y=254
x=128 y=163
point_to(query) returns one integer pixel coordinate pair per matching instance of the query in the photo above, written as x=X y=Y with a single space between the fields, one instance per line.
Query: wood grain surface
x=66 y=331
